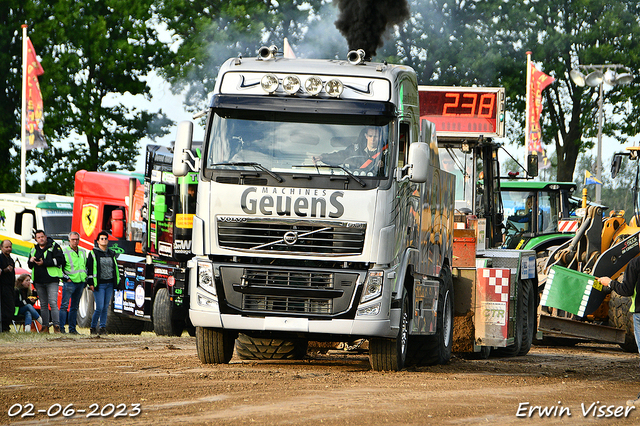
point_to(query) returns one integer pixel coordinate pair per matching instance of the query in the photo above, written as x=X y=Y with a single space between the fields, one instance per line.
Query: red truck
x=139 y=212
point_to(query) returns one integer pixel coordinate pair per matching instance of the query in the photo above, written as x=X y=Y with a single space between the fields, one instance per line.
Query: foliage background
x=93 y=51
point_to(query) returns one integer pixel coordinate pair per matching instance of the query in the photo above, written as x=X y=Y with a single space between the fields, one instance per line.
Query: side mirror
x=159 y=202
x=418 y=162
x=615 y=165
x=27 y=227
x=182 y=148
x=117 y=224
x=532 y=165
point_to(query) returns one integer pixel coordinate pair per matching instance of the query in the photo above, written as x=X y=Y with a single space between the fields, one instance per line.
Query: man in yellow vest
x=46 y=261
x=74 y=278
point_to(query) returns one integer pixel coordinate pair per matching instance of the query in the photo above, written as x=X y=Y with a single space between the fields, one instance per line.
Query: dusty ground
x=164 y=376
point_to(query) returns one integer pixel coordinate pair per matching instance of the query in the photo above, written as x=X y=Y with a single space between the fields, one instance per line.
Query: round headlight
x=291 y=84
x=269 y=83
x=313 y=85
x=334 y=88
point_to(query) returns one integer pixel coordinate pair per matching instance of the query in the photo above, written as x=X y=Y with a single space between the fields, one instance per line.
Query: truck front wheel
x=214 y=346
x=391 y=354
x=163 y=322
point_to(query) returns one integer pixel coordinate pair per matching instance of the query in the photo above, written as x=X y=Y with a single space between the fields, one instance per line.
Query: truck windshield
x=299 y=143
x=461 y=164
x=57 y=223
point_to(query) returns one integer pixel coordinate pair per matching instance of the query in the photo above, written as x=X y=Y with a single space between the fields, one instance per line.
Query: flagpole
x=527 y=111
x=23 y=136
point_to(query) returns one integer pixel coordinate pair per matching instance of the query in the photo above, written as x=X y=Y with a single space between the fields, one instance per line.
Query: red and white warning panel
x=492 y=306
x=568 y=226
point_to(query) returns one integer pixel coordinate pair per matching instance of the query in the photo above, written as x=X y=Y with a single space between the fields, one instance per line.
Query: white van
x=21 y=215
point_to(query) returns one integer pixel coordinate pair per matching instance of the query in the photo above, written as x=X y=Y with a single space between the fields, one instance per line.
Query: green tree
x=91 y=51
x=485 y=43
x=10 y=93
x=207 y=33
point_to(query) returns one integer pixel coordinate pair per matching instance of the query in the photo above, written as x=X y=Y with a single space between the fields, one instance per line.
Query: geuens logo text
x=292 y=202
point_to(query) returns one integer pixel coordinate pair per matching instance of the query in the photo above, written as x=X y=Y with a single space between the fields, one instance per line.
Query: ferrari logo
x=89 y=218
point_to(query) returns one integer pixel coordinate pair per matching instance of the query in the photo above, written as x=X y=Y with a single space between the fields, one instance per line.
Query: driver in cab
x=524 y=216
x=366 y=155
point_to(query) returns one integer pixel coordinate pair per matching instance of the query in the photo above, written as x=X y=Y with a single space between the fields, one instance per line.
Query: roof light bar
x=334 y=88
x=291 y=84
x=269 y=83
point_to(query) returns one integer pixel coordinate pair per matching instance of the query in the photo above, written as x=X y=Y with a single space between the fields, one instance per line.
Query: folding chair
x=18 y=322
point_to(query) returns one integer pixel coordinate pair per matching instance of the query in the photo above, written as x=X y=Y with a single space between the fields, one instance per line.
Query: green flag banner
x=572 y=291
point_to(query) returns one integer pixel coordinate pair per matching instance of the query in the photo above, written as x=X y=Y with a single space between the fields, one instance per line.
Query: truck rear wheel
x=529 y=315
x=163 y=322
x=391 y=354
x=214 y=346
x=620 y=317
x=248 y=347
x=86 y=308
x=436 y=349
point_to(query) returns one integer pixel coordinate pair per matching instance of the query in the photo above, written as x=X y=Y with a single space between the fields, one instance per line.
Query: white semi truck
x=301 y=234
x=298 y=234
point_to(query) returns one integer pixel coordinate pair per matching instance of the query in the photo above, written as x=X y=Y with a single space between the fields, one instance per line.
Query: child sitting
x=24 y=304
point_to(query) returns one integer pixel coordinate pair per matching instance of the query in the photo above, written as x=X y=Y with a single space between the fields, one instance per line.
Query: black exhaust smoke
x=364 y=22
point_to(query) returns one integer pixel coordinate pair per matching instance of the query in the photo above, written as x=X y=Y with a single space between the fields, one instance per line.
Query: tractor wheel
x=620 y=317
x=529 y=315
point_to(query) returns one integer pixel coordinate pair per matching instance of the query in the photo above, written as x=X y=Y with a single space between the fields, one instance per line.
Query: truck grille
x=294 y=291
x=295 y=237
x=287 y=304
x=286 y=278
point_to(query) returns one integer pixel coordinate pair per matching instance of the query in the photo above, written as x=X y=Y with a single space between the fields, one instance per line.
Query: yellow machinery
x=601 y=247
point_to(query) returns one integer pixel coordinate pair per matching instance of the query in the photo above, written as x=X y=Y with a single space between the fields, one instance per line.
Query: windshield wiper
x=252 y=164
x=354 y=177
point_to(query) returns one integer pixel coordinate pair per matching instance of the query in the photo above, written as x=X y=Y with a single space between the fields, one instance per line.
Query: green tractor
x=538 y=215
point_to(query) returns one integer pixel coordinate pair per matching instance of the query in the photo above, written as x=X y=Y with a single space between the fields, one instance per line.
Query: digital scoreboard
x=464 y=111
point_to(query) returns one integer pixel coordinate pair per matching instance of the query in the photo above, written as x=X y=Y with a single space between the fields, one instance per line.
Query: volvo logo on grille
x=290 y=238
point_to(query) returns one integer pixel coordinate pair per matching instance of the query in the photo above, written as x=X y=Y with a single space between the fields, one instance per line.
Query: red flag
x=539 y=81
x=34 y=118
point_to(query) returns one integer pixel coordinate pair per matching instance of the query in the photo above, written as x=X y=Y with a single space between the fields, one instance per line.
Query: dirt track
x=164 y=376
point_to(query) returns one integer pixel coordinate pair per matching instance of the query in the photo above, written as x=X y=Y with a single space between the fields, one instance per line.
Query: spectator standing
x=102 y=276
x=7 y=282
x=74 y=276
x=46 y=261
x=24 y=302
x=630 y=286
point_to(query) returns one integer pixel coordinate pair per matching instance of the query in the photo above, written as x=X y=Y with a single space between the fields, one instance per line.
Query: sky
x=172 y=105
